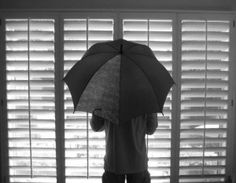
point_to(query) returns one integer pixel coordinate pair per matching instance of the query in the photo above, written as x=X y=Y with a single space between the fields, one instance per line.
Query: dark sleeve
x=97 y=123
x=151 y=121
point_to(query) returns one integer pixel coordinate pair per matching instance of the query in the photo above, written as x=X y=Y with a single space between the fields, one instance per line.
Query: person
x=126 y=155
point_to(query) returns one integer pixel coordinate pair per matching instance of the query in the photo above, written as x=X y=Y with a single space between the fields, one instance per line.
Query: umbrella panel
x=102 y=91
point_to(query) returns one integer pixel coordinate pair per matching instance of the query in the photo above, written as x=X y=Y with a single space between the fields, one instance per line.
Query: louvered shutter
x=31 y=100
x=157 y=34
x=204 y=100
x=84 y=149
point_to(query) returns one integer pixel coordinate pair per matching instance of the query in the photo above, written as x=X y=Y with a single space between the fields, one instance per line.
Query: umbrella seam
x=141 y=54
x=136 y=44
x=146 y=77
x=121 y=63
x=107 y=43
x=95 y=54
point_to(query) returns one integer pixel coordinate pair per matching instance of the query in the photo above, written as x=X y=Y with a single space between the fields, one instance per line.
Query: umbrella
x=121 y=78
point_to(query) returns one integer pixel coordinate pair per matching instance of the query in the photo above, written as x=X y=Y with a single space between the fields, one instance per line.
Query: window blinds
x=31 y=99
x=204 y=100
x=204 y=81
x=157 y=34
x=84 y=149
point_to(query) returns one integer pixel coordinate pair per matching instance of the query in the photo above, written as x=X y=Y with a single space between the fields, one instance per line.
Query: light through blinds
x=204 y=100
x=157 y=34
x=31 y=99
x=84 y=149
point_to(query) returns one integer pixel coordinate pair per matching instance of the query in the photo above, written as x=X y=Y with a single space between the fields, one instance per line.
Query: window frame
x=117 y=15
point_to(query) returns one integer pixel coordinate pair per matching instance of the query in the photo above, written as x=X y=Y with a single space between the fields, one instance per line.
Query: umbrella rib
x=145 y=75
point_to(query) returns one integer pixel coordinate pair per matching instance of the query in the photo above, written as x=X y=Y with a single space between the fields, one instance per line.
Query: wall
x=233 y=4
x=120 y=4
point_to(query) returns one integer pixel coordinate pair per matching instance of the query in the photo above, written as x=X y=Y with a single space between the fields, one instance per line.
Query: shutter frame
x=214 y=81
x=22 y=127
x=79 y=137
x=158 y=34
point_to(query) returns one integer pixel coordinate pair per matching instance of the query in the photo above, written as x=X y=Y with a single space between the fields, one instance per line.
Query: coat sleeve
x=97 y=123
x=151 y=123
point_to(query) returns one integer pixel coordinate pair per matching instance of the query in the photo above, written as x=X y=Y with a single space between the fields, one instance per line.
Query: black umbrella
x=122 y=78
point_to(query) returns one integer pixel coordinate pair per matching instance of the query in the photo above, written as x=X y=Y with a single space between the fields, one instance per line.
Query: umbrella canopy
x=122 y=78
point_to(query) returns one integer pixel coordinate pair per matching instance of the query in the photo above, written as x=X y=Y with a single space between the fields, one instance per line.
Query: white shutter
x=84 y=149
x=204 y=100
x=157 y=34
x=31 y=100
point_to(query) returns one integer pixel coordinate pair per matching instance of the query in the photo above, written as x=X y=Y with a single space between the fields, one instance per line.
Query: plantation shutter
x=84 y=149
x=31 y=100
x=204 y=100
x=157 y=34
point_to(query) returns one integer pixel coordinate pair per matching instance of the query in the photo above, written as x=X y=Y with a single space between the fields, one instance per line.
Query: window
x=157 y=34
x=197 y=53
x=204 y=100
x=30 y=100
x=84 y=149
